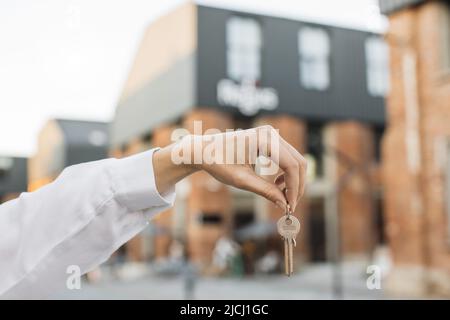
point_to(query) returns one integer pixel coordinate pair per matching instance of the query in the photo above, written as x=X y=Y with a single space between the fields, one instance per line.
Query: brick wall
x=414 y=152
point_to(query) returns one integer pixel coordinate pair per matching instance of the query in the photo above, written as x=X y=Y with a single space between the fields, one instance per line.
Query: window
x=97 y=138
x=243 y=49
x=378 y=135
x=314 y=51
x=377 y=62
x=210 y=218
x=315 y=151
x=242 y=219
x=5 y=165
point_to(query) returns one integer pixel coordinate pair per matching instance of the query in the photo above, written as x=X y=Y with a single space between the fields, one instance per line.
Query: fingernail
x=290 y=208
x=281 y=205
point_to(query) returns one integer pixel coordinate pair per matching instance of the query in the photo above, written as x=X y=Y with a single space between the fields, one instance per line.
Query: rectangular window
x=210 y=218
x=314 y=57
x=377 y=63
x=243 y=49
x=5 y=165
x=315 y=149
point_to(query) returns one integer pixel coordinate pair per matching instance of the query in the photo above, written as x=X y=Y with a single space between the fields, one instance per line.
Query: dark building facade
x=13 y=177
x=339 y=60
x=314 y=84
x=323 y=87
x=62 y=143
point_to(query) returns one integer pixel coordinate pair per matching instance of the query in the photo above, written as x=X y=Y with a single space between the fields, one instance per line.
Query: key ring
x=288 y=215
x=288 y=211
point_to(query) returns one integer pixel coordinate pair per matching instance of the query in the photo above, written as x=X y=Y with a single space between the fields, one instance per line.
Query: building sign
x=245 y=96
x=226 y=73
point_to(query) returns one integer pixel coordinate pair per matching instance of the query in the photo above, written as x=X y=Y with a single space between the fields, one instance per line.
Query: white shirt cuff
x=134 y=185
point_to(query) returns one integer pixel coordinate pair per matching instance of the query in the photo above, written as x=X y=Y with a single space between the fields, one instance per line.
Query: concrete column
x=207 y=196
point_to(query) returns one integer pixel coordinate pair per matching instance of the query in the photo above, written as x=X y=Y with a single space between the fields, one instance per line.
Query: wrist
x=189 y=152
x=167 y=168
x=182 y=156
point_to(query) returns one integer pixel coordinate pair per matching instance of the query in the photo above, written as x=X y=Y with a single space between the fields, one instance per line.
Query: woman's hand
x=233 y=158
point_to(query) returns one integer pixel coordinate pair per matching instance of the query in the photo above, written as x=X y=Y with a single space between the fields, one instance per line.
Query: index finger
x=302 y=164
x=271 y=146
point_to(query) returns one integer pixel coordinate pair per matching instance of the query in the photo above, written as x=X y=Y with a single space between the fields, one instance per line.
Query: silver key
x=288 y=227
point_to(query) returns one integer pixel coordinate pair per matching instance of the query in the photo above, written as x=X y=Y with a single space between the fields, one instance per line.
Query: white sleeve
x=80 y=219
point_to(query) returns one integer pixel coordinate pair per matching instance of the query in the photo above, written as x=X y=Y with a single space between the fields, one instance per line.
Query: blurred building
x=13 y=177
x=62 y=143
x=323 y=87
x=416 y=147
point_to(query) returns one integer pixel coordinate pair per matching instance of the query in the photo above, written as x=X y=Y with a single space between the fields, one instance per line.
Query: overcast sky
x=70 y=58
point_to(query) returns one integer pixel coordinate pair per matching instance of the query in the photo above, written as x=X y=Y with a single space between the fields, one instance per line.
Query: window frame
x=259 y=51
x=301 y=55
x=370 y=67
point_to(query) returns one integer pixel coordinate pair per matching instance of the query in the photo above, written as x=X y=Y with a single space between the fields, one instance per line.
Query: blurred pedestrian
x=224 y=252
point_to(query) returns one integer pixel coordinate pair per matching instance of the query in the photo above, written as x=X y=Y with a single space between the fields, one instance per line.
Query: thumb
x=254 y=183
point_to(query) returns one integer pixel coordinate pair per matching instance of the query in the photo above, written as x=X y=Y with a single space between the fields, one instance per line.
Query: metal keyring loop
x=288 y=211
